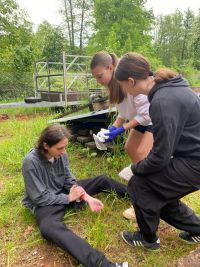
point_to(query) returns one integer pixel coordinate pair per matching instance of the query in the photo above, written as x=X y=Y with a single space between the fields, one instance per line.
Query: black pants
x=52 y=227
x=157 y=195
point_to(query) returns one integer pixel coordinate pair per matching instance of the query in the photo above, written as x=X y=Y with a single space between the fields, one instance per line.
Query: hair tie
x=151 y=73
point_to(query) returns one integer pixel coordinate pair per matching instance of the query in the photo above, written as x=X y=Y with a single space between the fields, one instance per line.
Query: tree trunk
x=72 y=22
x=81 y=29
x=68 y=25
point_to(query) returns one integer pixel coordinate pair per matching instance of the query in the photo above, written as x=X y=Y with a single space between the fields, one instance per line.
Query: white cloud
x=169 y=6
x=40 y=10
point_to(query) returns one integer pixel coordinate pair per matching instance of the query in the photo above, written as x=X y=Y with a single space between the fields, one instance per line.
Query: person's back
x=184 y=114
x=171 y=170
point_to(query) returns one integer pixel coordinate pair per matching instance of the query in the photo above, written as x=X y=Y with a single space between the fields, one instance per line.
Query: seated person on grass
x=50 y=189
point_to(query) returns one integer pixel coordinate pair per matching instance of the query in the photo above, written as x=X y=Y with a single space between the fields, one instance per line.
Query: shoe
x=126 y=173
x=129 y=213
x=135 y=239
x=189 y=238
x=123 y=264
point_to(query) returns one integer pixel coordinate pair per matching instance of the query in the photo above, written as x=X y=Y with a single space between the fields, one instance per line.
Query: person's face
x=103 y=75
x=131 y=86
x=56 y=150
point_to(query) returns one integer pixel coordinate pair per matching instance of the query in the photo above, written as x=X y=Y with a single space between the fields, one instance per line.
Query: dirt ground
x=21 y=117
x=44 y=256
x=191 y=260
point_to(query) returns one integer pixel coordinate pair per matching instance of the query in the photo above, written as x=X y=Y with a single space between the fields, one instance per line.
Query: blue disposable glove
x=112 y=128
x=112 y=135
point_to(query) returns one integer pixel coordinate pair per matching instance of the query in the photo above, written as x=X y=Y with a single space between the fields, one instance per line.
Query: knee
x=140 y=154
x=48 y=227
x=126 y=147
x=102 y=178
x=130 y=151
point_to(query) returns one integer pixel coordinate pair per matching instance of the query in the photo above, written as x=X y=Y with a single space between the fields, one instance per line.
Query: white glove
x=126 y=173
x=101 y=135
x=99 y=145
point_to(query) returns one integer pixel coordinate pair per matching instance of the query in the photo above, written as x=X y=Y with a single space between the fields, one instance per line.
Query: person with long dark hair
x=171 y=170
x=51 y=189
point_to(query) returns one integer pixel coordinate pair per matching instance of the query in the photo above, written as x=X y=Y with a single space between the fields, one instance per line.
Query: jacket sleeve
x=70 y=178
x=37 y=190
x=142 y=110
x=166 y=133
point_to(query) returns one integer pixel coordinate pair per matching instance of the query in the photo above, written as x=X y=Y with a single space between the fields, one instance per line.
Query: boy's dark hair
x=51 y=135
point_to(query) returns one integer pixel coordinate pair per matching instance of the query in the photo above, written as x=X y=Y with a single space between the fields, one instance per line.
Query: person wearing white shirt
x=133 y=112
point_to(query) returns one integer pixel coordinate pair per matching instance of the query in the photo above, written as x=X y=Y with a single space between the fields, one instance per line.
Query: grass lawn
x=21 y=243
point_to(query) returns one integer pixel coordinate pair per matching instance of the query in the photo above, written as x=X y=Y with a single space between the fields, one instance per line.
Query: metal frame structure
x=74 y=71
x=75 y=87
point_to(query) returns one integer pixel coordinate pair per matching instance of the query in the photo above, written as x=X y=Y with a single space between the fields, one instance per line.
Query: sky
x=40 y=10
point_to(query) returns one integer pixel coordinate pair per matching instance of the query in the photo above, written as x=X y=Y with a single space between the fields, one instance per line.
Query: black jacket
x=175 y=114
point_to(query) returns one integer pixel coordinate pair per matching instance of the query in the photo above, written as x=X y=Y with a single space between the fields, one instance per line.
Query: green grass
x=100 y=230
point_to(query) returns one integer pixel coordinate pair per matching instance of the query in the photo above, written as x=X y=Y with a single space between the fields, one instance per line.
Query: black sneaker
x=135 y=239
x=189 y=238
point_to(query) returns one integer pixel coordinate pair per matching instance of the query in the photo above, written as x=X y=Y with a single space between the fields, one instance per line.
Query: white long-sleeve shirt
x=135 y=107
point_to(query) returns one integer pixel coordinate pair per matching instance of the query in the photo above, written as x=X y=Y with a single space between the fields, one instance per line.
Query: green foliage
x=195 y=42
x=192 y=75
x=20 y=235
x=50 y=42
x=176 y=39
x=120 y=26
x=77 y=17
x=88 y=26
x=16 y=57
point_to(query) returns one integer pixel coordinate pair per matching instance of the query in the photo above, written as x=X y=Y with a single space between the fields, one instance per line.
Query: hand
x=95 y=204
x=112 y=128
x=101 y=135
x=112 y=135
x=126 y=173
x=75 y=193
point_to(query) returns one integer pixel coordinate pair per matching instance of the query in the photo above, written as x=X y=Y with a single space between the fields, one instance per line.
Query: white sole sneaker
x=129 y=213
x=126 y=173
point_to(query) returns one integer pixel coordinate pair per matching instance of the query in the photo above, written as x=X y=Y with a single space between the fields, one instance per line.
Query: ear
x=132 y=81
x=45 y=145
x=111 y=67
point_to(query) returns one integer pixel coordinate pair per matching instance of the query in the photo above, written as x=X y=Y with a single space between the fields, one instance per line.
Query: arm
x=142 y=110
x=166 y=135
x=70 y=179
x=77 y=192
x=95 y=204
x=37 y=190
x=142 y=117
x=131 y=124
x=119 y=122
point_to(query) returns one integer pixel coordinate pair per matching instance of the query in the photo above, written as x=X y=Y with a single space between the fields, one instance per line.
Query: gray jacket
x=45 y=181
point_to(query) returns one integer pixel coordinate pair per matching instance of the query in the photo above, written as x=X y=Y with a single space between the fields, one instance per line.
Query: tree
x=172 y=35
x=50 y=42
x=16 y=55
x=77 y=16
x=195 y=42
x=128 y=20
x=188 y=21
